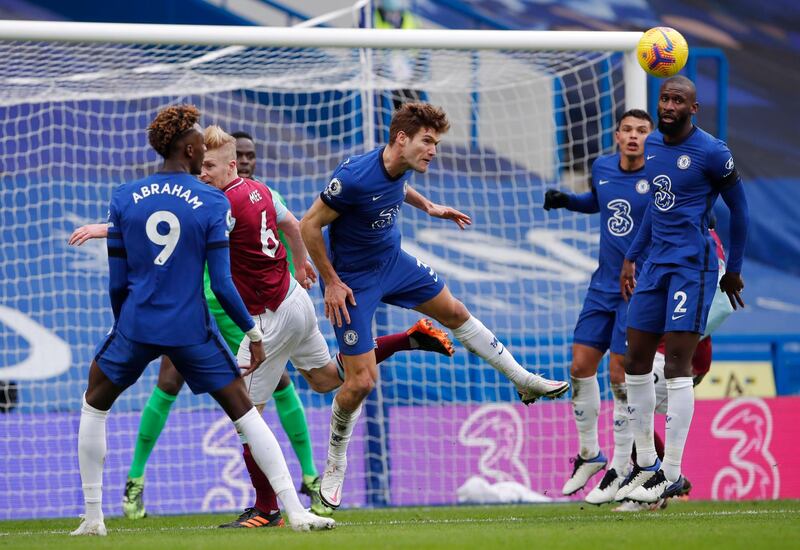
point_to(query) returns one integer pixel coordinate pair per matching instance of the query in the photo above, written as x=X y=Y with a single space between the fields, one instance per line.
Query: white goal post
x=528 y=109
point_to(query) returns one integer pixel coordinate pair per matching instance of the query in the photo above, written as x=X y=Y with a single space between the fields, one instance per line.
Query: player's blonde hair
x=218 y=139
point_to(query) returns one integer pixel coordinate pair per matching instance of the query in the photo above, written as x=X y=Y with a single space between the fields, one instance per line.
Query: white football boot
x=606 y=490
x=638 y=476
x=584 y=469
x=651 y=490
x=536 y=386
x=306 y=521
x=330 y=488
x=94 y=527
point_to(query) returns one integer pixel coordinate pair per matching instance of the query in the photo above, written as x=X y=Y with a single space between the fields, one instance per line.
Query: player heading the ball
x=361 y=264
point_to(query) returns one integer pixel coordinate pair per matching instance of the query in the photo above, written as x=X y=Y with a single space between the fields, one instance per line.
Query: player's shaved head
x=219 y=141
x=410 y=118
x=677 y=103
x=681 y=82
x=170 y=127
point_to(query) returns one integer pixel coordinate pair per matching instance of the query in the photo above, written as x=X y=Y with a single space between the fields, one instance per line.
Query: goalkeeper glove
x=554 y=198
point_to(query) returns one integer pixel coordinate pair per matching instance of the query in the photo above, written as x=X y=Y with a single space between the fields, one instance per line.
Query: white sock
x=586 y=409
x=91 y=456
x=623 y=435
x=680 y=408
x=269 y=457
x=479 y=340
x=342 y=424
x=641 y=408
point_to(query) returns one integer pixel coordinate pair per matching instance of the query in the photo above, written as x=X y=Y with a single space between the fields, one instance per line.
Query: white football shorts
x=290 y=333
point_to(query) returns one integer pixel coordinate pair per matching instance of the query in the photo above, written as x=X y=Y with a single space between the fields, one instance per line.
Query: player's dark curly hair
x=411 y=117
x=169 y=124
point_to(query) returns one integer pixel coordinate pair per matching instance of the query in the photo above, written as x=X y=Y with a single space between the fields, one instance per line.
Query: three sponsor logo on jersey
x=620 y=223
x=664 y=197
x=386 y=217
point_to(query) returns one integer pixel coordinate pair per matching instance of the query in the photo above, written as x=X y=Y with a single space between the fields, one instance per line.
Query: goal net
x=74 y=110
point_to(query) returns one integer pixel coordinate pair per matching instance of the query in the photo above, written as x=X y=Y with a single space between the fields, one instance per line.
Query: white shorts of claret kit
x=291 y=333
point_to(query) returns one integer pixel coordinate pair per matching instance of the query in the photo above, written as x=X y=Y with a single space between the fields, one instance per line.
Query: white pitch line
x=513 y=519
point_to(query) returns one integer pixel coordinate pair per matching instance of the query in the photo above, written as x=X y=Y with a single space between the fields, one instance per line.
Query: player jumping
x=289 y=323
x=282 y=307
x=362 y=264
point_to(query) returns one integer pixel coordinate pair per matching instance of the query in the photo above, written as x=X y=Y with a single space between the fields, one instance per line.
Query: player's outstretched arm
x=585 y=202
x=337 y=294
x=415 y=199
x=555 y=199
x=291 y=230
x=732 y=283
x=87 y=232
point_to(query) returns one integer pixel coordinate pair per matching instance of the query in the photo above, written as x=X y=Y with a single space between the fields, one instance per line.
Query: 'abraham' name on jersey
x=166 y=189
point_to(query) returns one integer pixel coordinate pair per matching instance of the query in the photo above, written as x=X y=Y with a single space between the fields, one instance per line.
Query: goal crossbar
x=216 y=35
x=291 y=37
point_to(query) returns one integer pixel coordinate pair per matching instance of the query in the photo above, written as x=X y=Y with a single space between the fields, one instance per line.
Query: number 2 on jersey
x=168 y=241
x=680 y=297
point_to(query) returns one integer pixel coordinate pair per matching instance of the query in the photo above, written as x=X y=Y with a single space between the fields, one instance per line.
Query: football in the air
x=662 y=51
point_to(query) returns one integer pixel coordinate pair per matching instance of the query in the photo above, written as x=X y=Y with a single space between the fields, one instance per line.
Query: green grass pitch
x=683 y=525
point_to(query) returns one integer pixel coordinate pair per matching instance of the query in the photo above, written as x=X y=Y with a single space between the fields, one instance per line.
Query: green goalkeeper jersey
x=230 y=331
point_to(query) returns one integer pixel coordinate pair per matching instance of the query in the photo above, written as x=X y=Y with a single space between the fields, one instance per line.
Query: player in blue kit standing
x=162 y=230
x=361 y=264
x=687 y=169
x=620 y=192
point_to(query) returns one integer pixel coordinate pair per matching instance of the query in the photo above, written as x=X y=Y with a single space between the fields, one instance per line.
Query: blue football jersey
x=368 y=202
x=686 y=179
x=166 y=222
x=622 y=198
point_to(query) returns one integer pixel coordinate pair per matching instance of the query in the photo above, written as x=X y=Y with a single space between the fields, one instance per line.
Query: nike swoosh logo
x=674 y=318
x=601 y=182
x=670 y=46
x=650 y=157
x=376 y=198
